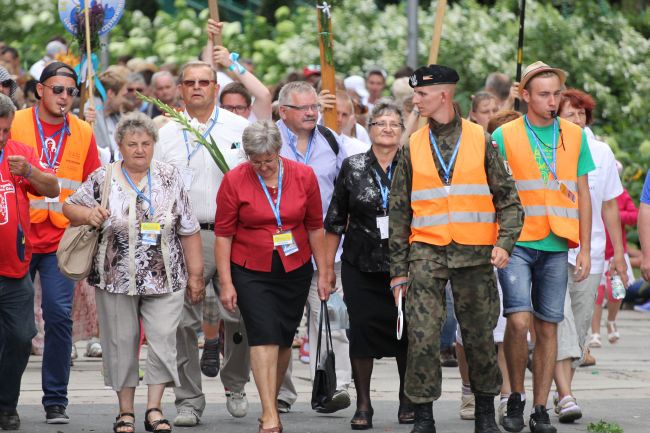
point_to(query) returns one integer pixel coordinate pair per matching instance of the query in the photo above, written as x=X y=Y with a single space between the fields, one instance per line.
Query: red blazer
x=244 y=213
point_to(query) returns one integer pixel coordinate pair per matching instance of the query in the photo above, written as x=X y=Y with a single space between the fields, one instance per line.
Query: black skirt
x=272 y=303
x=373 y=314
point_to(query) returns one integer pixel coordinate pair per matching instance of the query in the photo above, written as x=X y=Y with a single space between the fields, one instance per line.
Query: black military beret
x=433 y=74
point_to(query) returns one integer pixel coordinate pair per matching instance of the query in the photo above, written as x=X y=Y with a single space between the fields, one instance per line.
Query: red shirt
x=13 y=193
x=45 y=236
x=244 y=213
x=629 y=214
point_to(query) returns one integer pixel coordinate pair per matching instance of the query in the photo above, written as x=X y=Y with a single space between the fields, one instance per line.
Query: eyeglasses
x=7 y=83
x=303 y=108
x=264 y=162
x=57 y=90
x=134 y=89
x=235 y=108
x=382 y=125
x=193 y=83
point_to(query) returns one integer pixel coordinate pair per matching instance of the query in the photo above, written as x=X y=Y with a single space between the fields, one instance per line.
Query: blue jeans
x=535 y=281
x=448 y=334
x=56 y=303
x=16 y=332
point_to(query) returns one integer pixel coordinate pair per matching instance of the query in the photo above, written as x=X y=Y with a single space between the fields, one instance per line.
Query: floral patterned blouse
x=125 y=264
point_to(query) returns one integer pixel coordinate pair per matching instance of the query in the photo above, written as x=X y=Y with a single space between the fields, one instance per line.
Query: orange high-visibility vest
x=546 y=206
x=70 y=170
x=462 y=212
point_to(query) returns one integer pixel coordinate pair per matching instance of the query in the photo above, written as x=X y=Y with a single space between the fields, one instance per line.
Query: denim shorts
x=535 y=281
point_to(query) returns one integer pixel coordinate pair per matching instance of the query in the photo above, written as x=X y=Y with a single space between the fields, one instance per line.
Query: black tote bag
x=324 y=384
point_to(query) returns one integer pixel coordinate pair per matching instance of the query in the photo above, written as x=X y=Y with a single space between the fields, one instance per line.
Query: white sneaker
x=237 y=404
x=186 y=418
x=569 y=410
x=501 y=411
x=467 y=406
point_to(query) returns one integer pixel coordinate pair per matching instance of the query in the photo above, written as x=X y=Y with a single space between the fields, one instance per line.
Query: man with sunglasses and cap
x=549 y=159
x=449 y=191
x=66 y=145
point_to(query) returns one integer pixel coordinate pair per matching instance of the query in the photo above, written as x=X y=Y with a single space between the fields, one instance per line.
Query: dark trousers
x=16 y=332
x=56 y=303
x=476 y=303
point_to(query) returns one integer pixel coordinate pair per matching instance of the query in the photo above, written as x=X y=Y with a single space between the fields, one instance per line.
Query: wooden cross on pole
x=327 y=72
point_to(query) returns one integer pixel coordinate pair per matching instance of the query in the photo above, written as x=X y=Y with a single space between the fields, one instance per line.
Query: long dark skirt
x=373 y=314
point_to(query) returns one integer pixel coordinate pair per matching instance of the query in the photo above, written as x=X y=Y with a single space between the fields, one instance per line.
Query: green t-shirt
x=585 y=164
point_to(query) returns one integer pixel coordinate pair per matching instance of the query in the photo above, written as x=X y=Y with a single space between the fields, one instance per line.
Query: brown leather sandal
x=154 y=426
x=276 y=429
x=120 y=423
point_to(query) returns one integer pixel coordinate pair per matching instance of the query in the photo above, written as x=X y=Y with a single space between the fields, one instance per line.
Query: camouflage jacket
x=510 y=213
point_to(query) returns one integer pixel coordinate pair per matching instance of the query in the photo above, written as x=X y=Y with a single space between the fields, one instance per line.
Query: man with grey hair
x=198 y=89
x=20 y=173
x=135 y=83
x=164 y=88
x=318 y=147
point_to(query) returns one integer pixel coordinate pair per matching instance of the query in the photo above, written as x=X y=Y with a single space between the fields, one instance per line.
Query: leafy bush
x=602 y=52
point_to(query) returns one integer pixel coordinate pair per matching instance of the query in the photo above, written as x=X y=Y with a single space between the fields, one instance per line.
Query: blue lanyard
x=2 y=155
x=205 y=134
x=274 y=207
x=293 y=145
x=140 y=193
x=64 y=129
x=552 y=166
x=445 y=167
x=384 y=190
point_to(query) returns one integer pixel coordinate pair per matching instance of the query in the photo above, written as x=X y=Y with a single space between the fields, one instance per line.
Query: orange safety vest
x=546 y=205
x=462 y=212
x=70 y=170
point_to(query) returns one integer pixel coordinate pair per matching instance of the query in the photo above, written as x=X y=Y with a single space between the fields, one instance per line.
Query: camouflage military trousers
x=476 y=303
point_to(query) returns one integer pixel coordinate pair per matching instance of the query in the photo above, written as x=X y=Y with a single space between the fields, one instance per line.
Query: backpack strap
x=329 y=136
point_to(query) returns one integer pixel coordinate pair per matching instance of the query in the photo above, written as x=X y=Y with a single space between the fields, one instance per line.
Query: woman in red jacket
x=269 y=223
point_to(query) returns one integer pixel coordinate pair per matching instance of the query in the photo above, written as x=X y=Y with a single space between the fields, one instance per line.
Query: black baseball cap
x=58 y=69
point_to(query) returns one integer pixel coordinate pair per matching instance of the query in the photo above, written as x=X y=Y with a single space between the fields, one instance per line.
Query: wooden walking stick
x=214 y=14
x=327 y=72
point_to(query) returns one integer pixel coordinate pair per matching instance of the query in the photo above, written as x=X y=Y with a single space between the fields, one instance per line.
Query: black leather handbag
x=324 y=384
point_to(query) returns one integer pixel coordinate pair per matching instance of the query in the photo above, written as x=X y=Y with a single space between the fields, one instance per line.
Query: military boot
x=484 y=421
x=424 y=422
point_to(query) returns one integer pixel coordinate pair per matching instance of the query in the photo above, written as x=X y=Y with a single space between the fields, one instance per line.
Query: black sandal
x=406 y=413
x=362 y=420
x=120 y=423
x=152 y=426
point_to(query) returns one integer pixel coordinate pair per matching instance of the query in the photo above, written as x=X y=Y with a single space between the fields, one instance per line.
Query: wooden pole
x=437 y=31
x=327 y=72
x=87 y=85
x=214 y=14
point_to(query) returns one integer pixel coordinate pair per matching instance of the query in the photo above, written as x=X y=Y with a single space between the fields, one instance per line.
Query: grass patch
x=604 y=427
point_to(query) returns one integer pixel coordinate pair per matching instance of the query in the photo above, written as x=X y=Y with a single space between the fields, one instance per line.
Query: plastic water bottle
x=618 y=288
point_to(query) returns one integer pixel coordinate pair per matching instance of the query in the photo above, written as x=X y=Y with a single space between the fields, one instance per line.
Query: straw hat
x=537 y=68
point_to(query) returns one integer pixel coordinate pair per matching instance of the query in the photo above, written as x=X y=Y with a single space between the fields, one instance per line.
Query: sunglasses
x=7 y=83
x=57 y=90
x=193 y=83
x=135 y=89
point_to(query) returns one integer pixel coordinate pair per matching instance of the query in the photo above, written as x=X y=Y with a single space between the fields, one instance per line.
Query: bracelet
x=29 y=173
x=403 y=283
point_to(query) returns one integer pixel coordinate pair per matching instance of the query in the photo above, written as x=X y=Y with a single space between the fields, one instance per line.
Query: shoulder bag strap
x=107 y=184
x=320 y=332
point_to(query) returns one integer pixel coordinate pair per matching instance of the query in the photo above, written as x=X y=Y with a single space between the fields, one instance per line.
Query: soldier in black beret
x=448 y=192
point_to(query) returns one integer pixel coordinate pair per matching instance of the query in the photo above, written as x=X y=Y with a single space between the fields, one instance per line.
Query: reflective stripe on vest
x=465 y=214
x=70 y=170
x=546 y=207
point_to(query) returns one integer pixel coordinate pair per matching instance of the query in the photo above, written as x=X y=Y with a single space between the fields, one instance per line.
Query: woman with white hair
x=149 y=258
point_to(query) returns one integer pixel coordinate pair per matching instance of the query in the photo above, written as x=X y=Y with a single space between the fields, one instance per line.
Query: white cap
x=357 y=84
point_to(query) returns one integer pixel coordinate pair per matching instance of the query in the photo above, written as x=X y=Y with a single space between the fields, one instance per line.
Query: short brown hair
x=502 y=117
x=236 y=88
